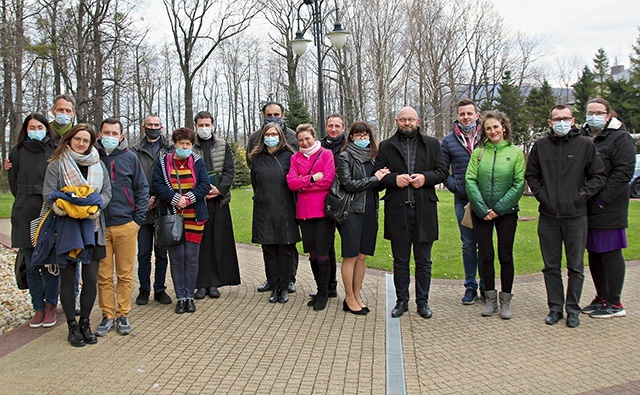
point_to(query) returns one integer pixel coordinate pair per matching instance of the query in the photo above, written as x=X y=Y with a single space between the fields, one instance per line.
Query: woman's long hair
x=22 y=136
x=66 y=140
x=500 y=117
x=260 y=147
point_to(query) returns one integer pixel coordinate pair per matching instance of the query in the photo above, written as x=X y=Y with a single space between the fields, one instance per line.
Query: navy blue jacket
x=454 y=154
x=129 y=186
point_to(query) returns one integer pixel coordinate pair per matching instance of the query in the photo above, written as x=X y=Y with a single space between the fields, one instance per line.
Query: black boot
x=85 y=329
x=75 y=337
x=314 y=269
x=322 y=280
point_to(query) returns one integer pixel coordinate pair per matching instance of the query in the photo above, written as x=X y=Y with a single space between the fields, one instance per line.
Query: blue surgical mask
x=361 y=143
x=596 y=121
x=110 y=143
x=561 y=128
x=36 y=134
x=183 y=153
x=63 y=119
x=271 y=141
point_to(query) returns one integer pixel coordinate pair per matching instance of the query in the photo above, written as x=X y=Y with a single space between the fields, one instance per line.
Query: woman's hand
x=491 y=216
x=381 y=173
x=318 y=176
x=183 y=202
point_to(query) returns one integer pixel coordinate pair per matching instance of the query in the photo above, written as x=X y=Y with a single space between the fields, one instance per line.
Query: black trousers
x=277 y=261
x=505 y=226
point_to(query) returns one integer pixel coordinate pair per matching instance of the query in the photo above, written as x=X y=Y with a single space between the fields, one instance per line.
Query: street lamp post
x=338 y=38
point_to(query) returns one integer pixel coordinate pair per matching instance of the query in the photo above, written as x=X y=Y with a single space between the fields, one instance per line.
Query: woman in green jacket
x=495 y=183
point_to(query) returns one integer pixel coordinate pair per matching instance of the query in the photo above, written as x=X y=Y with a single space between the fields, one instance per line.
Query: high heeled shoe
x=345 y=307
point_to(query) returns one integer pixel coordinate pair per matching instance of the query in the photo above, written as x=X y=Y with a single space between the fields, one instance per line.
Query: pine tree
x=538 y=104
x=298 y=112
x=583 y=91
x=511 y=102
x=601 y=70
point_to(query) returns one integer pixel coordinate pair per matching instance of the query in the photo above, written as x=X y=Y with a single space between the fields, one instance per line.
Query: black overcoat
x=428 y=162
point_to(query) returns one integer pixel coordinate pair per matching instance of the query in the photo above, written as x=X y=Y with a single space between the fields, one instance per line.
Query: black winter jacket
x=563 y=173
x=129 y=186
x=356 y=181
x=609 y=209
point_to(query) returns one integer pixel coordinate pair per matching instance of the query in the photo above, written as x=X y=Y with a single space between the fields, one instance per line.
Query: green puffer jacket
x=495 y=178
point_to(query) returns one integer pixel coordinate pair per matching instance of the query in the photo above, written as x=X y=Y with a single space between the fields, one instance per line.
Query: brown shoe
x=36 y=321
x=49 y=315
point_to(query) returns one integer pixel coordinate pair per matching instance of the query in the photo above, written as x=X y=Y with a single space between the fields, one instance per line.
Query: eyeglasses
x=597 y=113
x=566 y=119
x=410 y=120
x=361 y=135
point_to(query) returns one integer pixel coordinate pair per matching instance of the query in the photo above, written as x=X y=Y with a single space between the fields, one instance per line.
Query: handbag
x=21 y=270
x=337 y=203
x=169 y=228
x=466 y=220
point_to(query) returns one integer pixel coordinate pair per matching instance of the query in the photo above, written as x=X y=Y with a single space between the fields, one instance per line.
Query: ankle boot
x=322 y=280
x=505 y=305
x=85 y=329
x=75 y=337
x=492 y=303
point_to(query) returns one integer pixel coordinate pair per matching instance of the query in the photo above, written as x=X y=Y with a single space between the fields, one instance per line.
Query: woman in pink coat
x=311 y=174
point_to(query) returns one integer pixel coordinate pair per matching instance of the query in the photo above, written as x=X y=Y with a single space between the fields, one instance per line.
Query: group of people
x=85 y=202
x=83 y=198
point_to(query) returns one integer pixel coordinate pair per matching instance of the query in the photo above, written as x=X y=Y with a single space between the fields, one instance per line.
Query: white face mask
x=204 y=133
x=561 y=128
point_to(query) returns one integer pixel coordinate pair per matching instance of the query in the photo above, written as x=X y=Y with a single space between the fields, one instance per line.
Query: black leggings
x=608 y=270
x=87 y=294
x=505 y=226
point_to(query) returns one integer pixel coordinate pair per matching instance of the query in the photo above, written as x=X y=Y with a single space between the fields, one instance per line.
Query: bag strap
x=315 y=160
x=481 y=153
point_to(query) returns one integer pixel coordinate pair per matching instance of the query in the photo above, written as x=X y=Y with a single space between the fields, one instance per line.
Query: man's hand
x=7 y=164
x=152 y=203
x=403 y=180
x=213 y=192
x=417 y=180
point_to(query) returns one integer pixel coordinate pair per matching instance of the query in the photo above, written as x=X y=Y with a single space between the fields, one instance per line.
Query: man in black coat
x=410 y=205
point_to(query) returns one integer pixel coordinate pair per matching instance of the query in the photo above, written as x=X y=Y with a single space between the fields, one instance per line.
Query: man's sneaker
x=162 y=297
x=105 y=326
x=608 y=311
x=143 y=298
x=470 y=297
x=595 y=304
x=123 y=326
x=36 y=321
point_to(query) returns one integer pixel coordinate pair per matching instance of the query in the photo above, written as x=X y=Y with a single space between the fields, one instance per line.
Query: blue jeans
x=401 y=250
x=184 y=268
x=469 y=248
x=145 y=246
x=43 y=286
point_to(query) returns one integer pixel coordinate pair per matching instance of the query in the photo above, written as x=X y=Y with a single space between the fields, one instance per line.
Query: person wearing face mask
x=456 y=152
x=153 y=145
x=124 y=215
x=181 y=184
x=356 y=176
x=218 y=262
x=274 y=224
x=608 y=210
x=29 y=158
x=564 y=171
x=274 y=112
x=410 y=210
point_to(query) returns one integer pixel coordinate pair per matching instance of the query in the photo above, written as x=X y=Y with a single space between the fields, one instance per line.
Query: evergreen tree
x=242 y=175
x=511 y=102
x=625 y=102
x=298 y=112
x=601 y=70
x=538 y=104
x=583 y=91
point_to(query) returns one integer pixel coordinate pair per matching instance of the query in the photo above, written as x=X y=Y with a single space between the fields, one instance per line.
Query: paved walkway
x=242 y=344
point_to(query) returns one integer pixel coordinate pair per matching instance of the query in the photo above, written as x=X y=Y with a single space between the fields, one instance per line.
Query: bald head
x=407 y=120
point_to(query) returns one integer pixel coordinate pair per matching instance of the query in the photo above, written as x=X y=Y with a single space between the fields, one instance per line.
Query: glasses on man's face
x=566 y=119
x=598 y=113
x=405 y=120
x=361 y=136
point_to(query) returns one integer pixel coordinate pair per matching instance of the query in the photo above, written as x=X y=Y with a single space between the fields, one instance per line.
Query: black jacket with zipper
x=356 y=181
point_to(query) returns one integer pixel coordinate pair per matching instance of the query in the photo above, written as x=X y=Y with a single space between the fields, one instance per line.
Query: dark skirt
x=218 y=261
x=317 y=235
x=359 y=234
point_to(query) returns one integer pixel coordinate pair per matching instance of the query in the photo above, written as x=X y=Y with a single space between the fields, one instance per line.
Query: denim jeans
x=43 y=286
x=401 y=251
x=145 y=246
x=184 y=268
x=469 y=248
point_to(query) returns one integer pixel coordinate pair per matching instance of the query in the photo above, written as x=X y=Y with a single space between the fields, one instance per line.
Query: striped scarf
x=69 y=162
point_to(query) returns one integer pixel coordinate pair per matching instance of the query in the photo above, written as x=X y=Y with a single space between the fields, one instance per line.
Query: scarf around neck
x=70 y=163
x=362 y=155
x=59 y=129
x=308 y=152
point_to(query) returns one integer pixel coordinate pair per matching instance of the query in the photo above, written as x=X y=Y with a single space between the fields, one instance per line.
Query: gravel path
x=15 y=304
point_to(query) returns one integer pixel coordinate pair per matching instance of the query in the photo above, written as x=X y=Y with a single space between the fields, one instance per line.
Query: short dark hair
x=466 y=102
x=22 y=136
x=203 y=115
x=64 y=97
x=336 y=115
x=183 y=134
x=559 y=107
x=272 y=103
x=112 y=121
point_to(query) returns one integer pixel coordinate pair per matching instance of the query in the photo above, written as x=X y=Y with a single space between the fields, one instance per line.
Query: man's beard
x=409 y=132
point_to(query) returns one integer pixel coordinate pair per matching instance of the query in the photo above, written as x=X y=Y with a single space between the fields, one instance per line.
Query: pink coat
x=310 y=201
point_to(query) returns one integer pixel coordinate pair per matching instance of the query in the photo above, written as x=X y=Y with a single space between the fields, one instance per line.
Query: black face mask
x=152 y=133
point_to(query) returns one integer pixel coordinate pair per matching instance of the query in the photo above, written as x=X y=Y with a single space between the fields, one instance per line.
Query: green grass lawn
x=447 y=251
